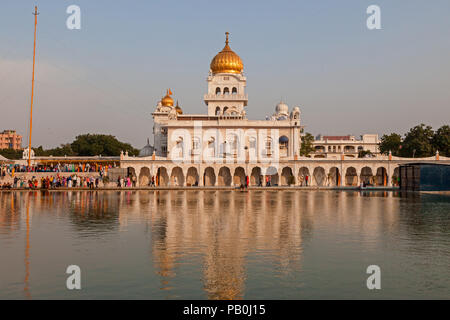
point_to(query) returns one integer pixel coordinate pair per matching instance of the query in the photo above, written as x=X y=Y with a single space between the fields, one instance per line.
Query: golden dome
x=178 y=109
x=167 y=101
x=226 y=61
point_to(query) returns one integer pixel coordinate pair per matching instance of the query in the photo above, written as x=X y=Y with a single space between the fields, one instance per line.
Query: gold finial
x=226 y=40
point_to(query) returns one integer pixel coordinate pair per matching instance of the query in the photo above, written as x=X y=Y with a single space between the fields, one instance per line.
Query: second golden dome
x=167 y=101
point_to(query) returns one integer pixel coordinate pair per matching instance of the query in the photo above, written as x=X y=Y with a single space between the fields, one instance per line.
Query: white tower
x=226 y=84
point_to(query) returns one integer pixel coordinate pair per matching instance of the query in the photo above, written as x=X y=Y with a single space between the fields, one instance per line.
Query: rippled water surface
x=224 y=244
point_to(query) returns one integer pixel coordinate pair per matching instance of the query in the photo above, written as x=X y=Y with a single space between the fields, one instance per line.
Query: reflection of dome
x=226 y=61
x=147 y=151
x=282 y=108
x=167 y=101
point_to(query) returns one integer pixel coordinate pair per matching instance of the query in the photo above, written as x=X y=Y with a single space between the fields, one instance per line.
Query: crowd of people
x=12 y=168
x=52 y=182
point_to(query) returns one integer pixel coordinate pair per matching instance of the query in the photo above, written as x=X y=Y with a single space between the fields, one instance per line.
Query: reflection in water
x=223 y=227
x=27 y=252
x=230 y=237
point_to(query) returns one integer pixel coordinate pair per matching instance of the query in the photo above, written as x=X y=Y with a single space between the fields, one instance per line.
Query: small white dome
x=282 y=108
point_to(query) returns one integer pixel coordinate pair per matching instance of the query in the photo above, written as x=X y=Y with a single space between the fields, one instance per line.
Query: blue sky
x=319 y=55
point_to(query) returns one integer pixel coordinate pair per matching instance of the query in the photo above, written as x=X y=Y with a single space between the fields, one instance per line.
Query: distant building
x=9 y=139
x=349 y=146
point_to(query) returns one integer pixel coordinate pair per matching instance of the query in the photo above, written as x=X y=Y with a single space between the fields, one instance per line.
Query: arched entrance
x=271 y=173
x=255 y=178
x=239 y=176
x=177 y=177
x=287 y=178
x=395 y=177
x=303 y=172
x=192 y=177
x=381 y=178
x=366 y=176
x=131 y=173
x=162 y=177
x=319 y=176
x=333 y=178
x=209 y=177
x=144 y=177
x=224 y=177
x=351 y=177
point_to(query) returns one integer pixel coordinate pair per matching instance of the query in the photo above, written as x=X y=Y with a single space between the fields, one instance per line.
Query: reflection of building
x=9 y=139
x=347 y=145
x=209 y=229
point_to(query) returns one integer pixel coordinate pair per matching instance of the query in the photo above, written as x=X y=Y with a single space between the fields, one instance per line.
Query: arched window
x=226 y=91
x=284 y=141
x=268 y=146
x=234 y=90
x=217 y=111
x=195 y=145
x=225 y=110
x=252 y=142
x=217 y=90
x=235 y=143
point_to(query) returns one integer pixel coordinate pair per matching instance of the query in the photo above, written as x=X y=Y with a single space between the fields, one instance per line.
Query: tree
x=11 y=154
x=63 y=150
x=364 y=153
x=307 y=145
x=100 y=144
x=441 y=140
x=391 y=143
x=418 y=142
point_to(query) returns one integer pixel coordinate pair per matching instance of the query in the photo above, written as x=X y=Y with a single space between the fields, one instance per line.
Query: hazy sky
x=319 y=55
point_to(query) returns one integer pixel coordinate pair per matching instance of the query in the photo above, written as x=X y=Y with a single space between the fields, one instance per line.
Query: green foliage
x=11 y=154
x=96 y=144
x=83 y=145
x=418 y=142
x=63 y=150
x=441 y=140
x=391 y=143
x=307 y=145
x=364 y=153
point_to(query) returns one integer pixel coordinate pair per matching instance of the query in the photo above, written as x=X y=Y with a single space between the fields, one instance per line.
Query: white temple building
x=222 y=147
x=224 y=130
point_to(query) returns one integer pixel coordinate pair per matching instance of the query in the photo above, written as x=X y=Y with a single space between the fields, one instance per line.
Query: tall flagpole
x=32 y=85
